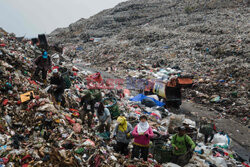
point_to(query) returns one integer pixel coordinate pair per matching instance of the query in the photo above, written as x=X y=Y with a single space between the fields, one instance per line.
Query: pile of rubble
x=35 y=132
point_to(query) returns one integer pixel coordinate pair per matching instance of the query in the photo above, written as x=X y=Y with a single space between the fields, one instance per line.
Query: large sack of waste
x=175 y=121
x=221 y=140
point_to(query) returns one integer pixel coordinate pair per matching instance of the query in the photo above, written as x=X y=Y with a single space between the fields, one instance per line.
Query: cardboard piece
x=26 y=96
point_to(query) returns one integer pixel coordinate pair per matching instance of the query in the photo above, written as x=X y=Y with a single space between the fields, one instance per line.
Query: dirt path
x=239 y=133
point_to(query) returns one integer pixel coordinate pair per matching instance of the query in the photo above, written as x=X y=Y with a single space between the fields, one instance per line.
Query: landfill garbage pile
x=33 y=131
x=37 y=132
x=208 y=39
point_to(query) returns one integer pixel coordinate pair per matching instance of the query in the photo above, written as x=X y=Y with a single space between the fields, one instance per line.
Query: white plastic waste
x=218 y=161
x=47 y=107
x=154 y=97
x=221 y=140
x=189 y=122
x=170 y=165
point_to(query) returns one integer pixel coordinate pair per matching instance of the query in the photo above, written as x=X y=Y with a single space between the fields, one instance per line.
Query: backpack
x=185 y=139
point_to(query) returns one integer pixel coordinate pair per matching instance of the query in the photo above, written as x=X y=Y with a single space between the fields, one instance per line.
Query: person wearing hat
x=122 y=134
x=43 y=64
x=142 y=134
x=104 y=118
x=58 y=86
x=183 y=147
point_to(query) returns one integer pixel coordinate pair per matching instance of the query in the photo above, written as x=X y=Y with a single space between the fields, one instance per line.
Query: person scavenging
x=43 y=63
x=183 y=147
x=104 y=118
x=57 y=86
x=122 y=134
x=142 y=134
x=87 y=107
x=208 y=129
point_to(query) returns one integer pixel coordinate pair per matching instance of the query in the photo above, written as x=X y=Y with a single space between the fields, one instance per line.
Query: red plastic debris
x=157 y=166
x=137 y=112
x=5 y=102
x=55 y=67
x=26 y=157
x=2 y=45
x=32 y=82
x=75 y=69
x=226 y=153
x=70 y=120
x=154 y=115
x=246 y=165
x=25 y=165
x=4 y=161
x=73 y=110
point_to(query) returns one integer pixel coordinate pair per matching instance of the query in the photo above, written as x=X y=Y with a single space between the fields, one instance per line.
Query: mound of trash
x=208 y=39
x=37 y=132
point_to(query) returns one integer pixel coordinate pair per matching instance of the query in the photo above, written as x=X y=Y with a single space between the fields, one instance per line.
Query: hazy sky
x=31 y=17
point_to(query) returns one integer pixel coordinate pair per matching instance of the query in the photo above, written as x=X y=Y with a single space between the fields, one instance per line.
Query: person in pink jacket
x=142 y=134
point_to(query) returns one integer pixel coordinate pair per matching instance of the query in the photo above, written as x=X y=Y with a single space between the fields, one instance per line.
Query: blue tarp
x=140 y=97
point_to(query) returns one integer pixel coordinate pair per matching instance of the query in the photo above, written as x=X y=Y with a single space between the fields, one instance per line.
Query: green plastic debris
x=216 y=99
x=104 y=136
x=221 y=146
x=79 y=150
x=231 y=156
x=234 y=94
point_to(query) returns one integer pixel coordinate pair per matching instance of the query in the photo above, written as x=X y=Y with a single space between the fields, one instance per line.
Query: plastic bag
x=156 y=113
x=218 y=161
x=221 y=140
